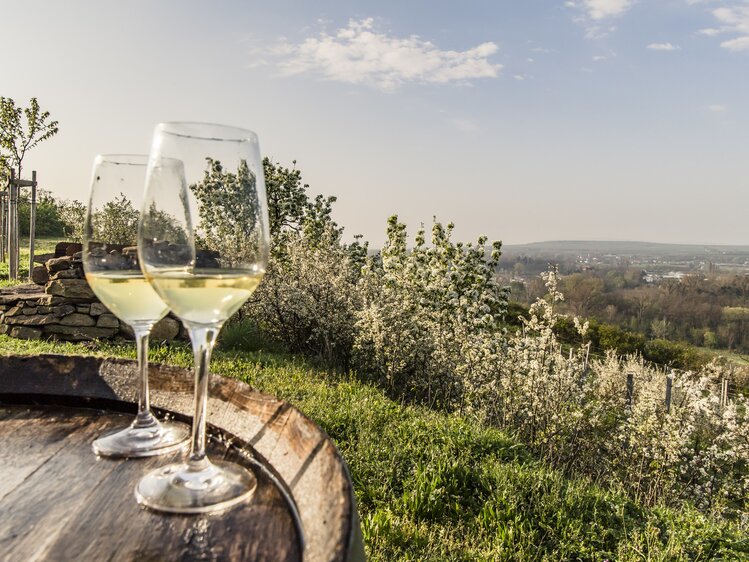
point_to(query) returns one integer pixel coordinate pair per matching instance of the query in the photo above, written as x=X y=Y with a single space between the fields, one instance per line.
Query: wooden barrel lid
x=304 y=507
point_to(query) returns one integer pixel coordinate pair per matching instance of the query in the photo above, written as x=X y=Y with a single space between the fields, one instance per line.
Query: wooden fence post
x=13 y=227
x=630 y=389
x=723 y=393
x=3 y=224
x=32 y=223
x=669 y=387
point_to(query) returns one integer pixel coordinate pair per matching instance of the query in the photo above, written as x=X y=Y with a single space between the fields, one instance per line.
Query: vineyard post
x=3 y=223
x=32 y=222
x=669 y=387
x=13 y=227
x=630 y=389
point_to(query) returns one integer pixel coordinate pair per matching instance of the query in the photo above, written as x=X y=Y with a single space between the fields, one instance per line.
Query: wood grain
x=74 y=506
x=298 y=459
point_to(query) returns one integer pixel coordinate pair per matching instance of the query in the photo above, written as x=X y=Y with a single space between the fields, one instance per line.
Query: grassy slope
x=437 y=487
x=41 y=246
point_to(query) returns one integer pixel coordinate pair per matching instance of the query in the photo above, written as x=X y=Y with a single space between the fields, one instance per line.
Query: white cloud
x=733 y=17
x=738 y=44
x=595 y=14
x=359 y=54
x=717 y=108
x=663 y=47
x=602 y=9
x=710 y=32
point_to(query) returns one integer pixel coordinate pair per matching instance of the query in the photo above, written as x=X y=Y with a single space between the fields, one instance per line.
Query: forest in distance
x=698 y=294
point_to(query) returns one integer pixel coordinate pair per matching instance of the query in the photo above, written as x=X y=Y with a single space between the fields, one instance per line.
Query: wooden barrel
x=59 y=502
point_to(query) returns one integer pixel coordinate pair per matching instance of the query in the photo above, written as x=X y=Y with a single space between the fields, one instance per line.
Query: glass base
x=200 y=487
x=137 y=440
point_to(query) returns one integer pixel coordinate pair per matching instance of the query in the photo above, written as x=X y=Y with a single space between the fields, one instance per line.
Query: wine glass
x=203 y=242
x=111 y=265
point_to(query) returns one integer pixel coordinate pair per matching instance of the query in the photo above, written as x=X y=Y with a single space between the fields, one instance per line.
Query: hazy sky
x=522 y=120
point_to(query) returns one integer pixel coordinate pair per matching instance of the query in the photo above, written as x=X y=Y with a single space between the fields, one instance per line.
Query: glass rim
x=206 y=131
x=122 y=159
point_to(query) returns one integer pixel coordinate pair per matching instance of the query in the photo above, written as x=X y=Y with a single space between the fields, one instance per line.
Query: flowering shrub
x=429 y=325
x=547 y=397
x=309 y=296
x=308 y=299
x=578 y=417
x=432 y=317
x=697 y=451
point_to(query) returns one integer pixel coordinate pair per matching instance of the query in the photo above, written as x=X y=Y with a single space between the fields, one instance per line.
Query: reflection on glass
x=203 y=242
x=112 y=269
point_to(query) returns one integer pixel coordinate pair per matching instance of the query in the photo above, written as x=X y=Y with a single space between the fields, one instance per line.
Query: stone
x=70 y=288
x=73 y=249
x=40 y=275
x=83 y=308
x=77 y=319
x=165 y=329
x=50 y=300
x=183 y=333
x=72 y=273
x=4 y=329
x=67 y=248
x=59 y=264
x=10 y=295
x=14 y=311
x=63 y=310
x=78 y=333
x=29 y=310
x=24 y=333
x=108 y=321
x=44 y=309
x=36 y=320
x=43 y=258
x=97 y=308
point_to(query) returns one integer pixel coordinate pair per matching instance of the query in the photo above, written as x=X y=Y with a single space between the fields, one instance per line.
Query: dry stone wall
x=60 y=304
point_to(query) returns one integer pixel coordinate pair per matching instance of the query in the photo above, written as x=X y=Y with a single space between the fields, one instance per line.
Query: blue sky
x=524 y=121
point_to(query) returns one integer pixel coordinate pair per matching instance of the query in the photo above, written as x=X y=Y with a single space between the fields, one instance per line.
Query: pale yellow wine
x=128 y=295
x=205 y=296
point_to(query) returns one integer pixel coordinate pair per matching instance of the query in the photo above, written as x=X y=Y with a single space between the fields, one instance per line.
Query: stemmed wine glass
x=111 y=265
x=203 y=242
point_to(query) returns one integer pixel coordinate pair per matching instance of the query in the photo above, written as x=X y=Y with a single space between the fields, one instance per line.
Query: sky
x=523 y=121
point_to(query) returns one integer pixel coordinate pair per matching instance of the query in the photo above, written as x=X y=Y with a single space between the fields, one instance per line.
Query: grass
x=431 y=486
x=41 y=246
x=734 y=357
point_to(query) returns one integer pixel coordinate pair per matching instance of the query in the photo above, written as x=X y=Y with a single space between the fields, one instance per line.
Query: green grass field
x=41 y=246
x=732 y=357
x=431 y=486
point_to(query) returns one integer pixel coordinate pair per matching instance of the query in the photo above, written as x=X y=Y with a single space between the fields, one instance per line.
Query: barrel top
x=65 y=504
x=304 y=507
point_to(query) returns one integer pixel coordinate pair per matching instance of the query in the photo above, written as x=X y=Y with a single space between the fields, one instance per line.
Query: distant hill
x=628 y=249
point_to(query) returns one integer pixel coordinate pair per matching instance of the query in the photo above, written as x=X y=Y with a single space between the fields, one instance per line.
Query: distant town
x=659 y=261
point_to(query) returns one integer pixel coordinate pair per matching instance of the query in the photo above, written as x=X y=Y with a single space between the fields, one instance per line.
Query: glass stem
x=203 y=339
x=144 y=418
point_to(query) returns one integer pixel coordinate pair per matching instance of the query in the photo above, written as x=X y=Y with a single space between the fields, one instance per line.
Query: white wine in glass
x=110 y=262
x=203 y=242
